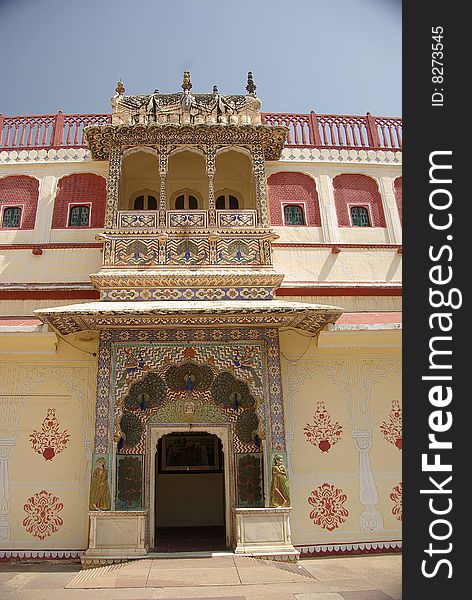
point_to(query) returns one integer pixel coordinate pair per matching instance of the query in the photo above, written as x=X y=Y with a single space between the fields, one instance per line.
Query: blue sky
x=337 y=56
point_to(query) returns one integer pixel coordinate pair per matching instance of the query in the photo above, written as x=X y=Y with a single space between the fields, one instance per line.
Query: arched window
x=11 y=217
x=79 y=216
x=356 y=190
x=80 y=189
x=360 y=216
x=293 y=188
x=227 y=201
x=20 y=194
x=145 y=202
x=293 y=215
x=186 y=201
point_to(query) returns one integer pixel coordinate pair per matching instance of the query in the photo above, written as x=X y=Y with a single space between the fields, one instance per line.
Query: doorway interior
x=189 y=493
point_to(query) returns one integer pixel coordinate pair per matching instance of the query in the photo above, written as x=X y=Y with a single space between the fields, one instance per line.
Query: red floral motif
x=322 y=433
x=328 y=502
x=42 y=514
x=49 y=441
x=396 y=495
x=392 y=431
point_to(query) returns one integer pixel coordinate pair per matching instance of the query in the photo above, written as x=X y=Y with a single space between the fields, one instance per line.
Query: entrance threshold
x=196 y=554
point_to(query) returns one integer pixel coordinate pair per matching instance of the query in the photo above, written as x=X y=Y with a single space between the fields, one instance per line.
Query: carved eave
x=171 y=315
x=101 y=138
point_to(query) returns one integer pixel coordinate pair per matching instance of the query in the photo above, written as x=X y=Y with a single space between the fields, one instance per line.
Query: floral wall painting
x=249 y=480
x=328 y=506
x=392 y=431
x=42 y=514
x=100 y=498
x=50 y=440
x=129 y=482
x=396 y=496
x=322 y=433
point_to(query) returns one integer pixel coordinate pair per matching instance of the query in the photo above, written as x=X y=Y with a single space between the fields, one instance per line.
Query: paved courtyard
x=217 y=578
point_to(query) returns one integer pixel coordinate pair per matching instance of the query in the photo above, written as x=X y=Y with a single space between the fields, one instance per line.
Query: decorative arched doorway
x=223 y=471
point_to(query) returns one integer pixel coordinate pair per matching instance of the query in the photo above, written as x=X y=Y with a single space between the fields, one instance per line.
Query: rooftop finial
x=251 y=87
x=120 y=89
x=186 y=85
x=215 y=89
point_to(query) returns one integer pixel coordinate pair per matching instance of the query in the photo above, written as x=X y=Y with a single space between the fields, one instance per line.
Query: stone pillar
x=371 y=518
x=210 y=157
x=258 y=166
x=6 y=448
x=114 y=171
x=47 y=194
x=163 y=168
x=390 y=208
x=329 y=221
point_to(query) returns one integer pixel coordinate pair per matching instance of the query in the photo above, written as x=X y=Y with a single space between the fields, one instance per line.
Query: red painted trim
x=339 y=291
x=49 y=294
x=58 y=246
x=341 y=246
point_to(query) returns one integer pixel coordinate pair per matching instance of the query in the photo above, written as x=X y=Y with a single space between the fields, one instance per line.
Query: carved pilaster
x=163 y=168
x=210 y=157
x=258 y=166
x=114 y=170
x=371 y=518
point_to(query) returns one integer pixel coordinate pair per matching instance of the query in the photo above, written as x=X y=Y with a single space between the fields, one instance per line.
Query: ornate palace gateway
x=201 y=406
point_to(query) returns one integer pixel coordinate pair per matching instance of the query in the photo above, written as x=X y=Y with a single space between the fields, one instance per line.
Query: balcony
x=351 y=132
x=181 y=219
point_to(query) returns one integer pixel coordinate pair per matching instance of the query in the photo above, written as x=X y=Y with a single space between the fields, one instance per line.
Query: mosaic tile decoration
x=252 y=355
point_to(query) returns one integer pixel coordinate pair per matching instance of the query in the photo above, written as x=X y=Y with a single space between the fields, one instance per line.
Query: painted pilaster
x=392 y=218
x=6 y=449
x=258 y=166
x=47 y=193
x=210 y=157
x=371 y=518
x=163 y=168
x=114 y=170
x=329 y=221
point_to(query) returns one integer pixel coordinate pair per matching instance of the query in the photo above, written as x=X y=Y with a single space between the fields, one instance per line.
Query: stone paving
x=216 y=578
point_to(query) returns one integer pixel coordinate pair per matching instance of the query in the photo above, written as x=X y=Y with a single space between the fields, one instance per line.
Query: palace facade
x=200 y=330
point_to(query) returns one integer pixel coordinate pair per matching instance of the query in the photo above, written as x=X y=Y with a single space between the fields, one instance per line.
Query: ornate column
x=389 y=204
x=6 y=448
x=114 y=170
x=371 y=519
x=258 y=167
x=163 y=168
x=210 y=157
x=329 y=222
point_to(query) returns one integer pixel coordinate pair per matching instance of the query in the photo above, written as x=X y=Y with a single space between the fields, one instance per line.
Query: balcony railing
x=181 y=219
x=304 y=130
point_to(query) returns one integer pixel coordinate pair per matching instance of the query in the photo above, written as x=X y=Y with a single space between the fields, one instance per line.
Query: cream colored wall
x=48 y=175
x=380 y=265
x=357 y=385
x=140 y=171
x=53 y=265
x=30 y=385
x=323 y=174
x=187 y=171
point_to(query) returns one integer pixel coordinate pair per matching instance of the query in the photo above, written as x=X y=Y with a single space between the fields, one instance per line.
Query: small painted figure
x=99 y=488
x=279 y=490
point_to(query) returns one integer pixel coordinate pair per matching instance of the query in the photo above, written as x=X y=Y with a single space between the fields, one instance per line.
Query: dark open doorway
x=190 y=493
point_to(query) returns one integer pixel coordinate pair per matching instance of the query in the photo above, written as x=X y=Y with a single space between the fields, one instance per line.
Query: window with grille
x=227 y=201
x=145 y=202
x=186 y=202
x=79 y=216
x=11 y=217
x=360 y=216
x=294 y=215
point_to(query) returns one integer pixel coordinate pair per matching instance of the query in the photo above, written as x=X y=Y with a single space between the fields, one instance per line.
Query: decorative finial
x=215 y=89
x=120 y=88
x=186 y=85
x=251 y=88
